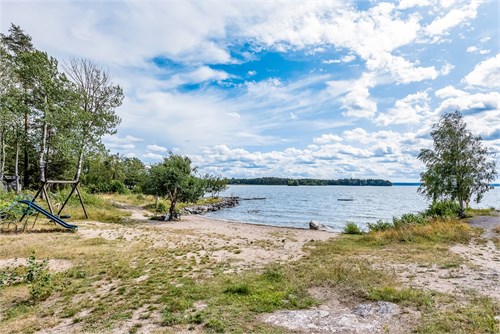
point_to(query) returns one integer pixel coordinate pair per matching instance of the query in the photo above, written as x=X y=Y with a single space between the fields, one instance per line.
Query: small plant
x=380 y=225
x=38 y=278
x=409 y=219
x=161 y=207
x=352 y=228
x=443 y=209
x=238 y=289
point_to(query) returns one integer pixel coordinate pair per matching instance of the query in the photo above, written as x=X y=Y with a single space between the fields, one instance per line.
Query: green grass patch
x=475 y=316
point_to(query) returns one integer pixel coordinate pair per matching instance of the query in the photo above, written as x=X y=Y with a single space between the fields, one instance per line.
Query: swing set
x=25 y=206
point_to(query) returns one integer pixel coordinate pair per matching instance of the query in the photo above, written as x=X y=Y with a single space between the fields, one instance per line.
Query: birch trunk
x=16 y=169
x=79 y=166
x=2 y=152
x=41 y=164
x=42 y=153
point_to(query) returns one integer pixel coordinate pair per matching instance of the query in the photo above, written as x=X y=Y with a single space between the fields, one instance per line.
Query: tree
x=98 y=100
x=17 y=44
x=458 y=166
x=174 y=178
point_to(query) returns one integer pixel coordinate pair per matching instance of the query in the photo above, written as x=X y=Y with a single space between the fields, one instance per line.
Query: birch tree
x=98 y=99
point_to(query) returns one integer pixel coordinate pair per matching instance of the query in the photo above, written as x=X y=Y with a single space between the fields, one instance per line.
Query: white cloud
x=327 y=138
x=233 y=114
x=357 y=101
x=408 y=110
x=156 y=148
x=405 y=4
x=452 y=18
x=344 y=59
x=401 y=69
x=252 y=73
x=475 y=49
x=121 y=143
x=469 y=102
x=152 y=156
x=485 y=74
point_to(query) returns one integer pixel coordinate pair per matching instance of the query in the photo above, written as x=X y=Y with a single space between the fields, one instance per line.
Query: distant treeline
x=276 y=181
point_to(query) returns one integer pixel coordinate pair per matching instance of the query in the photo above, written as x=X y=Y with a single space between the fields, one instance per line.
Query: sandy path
x=240 y=244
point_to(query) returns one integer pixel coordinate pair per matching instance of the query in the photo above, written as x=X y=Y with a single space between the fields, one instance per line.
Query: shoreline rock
x=227 y=202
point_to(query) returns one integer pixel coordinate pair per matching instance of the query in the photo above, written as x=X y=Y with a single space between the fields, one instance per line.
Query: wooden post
x=67 y=199
x=81 y=201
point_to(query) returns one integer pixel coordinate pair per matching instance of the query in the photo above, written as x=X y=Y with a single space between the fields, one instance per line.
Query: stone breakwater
x=226 y=202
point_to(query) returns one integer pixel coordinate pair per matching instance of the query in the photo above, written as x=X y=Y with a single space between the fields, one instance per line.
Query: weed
x=38 y=278
x=352 y=228
x=238 y=289
x=380 y=225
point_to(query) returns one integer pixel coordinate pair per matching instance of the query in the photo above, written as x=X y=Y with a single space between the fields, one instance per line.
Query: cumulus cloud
x=152 y=156
x=485 y=74
x=327 y=138
x=156 y=148
x=453 y=18
x=357 y=102
x=408 y=110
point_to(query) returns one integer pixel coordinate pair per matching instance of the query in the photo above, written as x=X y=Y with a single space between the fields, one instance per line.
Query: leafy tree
x=215 y=184
x=458 y=166
x=174 y=178
x=17 y=44
x=98 y=100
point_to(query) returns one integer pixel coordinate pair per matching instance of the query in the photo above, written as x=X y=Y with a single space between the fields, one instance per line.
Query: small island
x=278 y=181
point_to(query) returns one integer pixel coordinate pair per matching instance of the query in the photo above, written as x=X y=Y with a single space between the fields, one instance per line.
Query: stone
x=381 y=309
x=314 y=225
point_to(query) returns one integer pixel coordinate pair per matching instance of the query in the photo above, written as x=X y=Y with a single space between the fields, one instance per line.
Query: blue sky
x=292 y=89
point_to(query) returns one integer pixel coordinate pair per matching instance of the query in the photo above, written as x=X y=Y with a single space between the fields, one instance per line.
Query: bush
x=443 y=209
x=39 y=279
x=380 y=225
x=117 y=187
x=409 y=219
x=352 y=228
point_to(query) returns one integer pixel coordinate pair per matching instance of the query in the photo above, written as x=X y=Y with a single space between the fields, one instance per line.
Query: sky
x=320 y=89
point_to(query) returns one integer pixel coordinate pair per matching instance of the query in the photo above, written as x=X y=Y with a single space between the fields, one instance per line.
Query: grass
x=471 y=212
x=179 y=285
x=437 y=231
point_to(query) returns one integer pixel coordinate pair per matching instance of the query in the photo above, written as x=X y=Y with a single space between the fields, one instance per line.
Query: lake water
x=296 y=206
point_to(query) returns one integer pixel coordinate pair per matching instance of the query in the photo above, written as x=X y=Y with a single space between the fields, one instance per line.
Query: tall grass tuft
x=352 y=228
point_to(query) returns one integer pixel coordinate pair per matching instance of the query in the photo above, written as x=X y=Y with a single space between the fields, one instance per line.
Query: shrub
x=39 y=279
x=116 y=186
x=380 y=225
x=352 y=228
x=409 y=219
x=443 y=209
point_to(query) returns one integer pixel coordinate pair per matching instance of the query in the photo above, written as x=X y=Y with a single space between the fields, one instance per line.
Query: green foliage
x=380 y=225
x=276 y=181
x=408 y=219
x=215 y=184
x=351 y=228
x=47 y=121
x=38 y=278
x=443 y=209
x=458 y=166
x=238 y=289
x=174 y=178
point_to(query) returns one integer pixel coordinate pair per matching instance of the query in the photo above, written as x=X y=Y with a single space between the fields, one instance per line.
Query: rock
x=227 y=202
x=314 y=225
x=381 y=309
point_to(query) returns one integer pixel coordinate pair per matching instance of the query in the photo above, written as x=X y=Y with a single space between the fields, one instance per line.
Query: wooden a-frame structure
x=74 y=188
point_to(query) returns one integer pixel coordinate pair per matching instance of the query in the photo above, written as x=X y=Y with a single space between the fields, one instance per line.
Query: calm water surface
x=296 y=206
